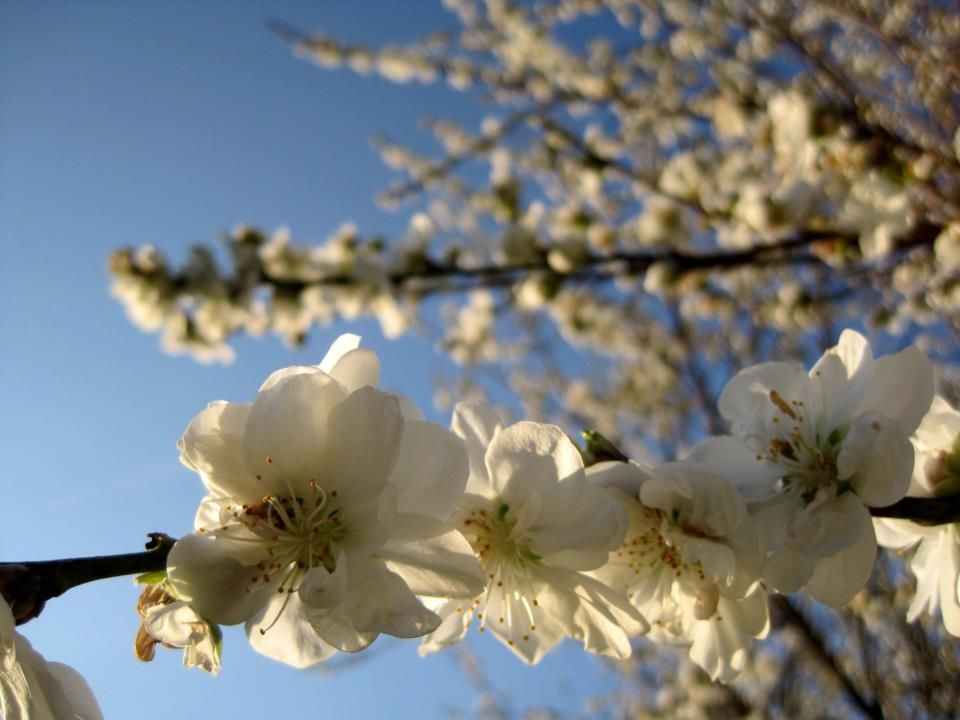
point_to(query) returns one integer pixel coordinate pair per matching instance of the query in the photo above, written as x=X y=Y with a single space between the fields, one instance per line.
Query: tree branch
x=27 y=586
x=789 y=616
x=926 y=511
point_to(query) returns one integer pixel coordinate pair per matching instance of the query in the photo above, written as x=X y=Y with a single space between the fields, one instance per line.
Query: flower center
x=652 y=547
x=507 y=559
x=810 y=463
x=296 y=533
x=494 y=539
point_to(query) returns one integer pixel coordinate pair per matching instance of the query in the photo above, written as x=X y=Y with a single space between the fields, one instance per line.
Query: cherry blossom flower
x=812 y=451
x=936 y=562
x=174 y=624
x=690 y=561
x=32 y=688
x=327 y=513
x=537 y=526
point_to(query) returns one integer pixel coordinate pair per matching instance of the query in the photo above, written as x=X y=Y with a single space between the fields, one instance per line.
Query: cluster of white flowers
x=335 y=513
x=607 y=170
x=719 y=186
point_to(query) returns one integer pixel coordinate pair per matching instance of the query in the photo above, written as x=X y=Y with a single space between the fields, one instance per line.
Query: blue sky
x=126 y=123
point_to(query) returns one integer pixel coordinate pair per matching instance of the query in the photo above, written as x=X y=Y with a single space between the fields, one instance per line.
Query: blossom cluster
x=690 y=160
x=335 y=512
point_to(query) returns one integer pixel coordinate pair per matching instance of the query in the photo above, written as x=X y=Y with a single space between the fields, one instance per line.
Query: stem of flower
x=27 y=586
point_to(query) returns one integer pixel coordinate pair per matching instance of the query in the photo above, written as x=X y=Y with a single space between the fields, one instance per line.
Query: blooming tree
x=694 y=203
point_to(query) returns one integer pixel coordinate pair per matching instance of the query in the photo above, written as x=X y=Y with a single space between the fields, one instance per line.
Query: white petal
x=213 y=582
x=842 y=375
x=733 y=459
x=591 y=612
x=455 y=619
x=441 y=564
x=745 y=401
x=290 y=639
x=362 y=444
x=386 y=605
x=530 y=456
x=901 y=388
x=431 y=470
x=528 y=631
x=340 y=347
x=356 y=369
x=324 y=590
x=477 y=423
x=949 y=552
x=212 y=445
x=787 y=570
x=896 y=534
x=286 y=432
x=836 y=579
x=878 y=459
x=721 y=643
x=80 y=701
x=625 y=476
x=575 y=515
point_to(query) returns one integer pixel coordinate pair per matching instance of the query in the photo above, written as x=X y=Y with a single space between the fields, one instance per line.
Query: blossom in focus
x=32 y=688
x=812 y=451
x=690 y=561
x=327 y=513
x=537 y=527
x=936 y=562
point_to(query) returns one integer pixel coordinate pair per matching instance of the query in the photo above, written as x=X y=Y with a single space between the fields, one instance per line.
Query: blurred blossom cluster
x=644 y=178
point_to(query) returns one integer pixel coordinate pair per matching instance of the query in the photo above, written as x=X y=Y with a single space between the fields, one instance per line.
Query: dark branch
x=27 y=586
x=926 y=511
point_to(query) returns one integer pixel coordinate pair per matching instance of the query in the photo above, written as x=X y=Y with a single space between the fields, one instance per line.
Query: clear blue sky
x=134 y=122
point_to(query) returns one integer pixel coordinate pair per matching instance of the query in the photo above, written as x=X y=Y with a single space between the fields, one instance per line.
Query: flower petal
x=386 y=605
x=286 y=432
x=901 y=388
x=878 y=459
x=212 y=446
x=340 y=347
x=439 y=563
x=747 y=401
x=354 y=369
x=431 y=470
x=477 y=423
x=528 y=456
x=209 y=578
x=362 y=443
x=836 y=579
x=453 y=626
x=290 y=639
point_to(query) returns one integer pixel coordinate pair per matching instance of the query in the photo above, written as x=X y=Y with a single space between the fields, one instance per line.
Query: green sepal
x=156 y=577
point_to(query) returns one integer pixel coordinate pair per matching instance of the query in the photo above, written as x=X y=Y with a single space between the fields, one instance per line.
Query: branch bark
x=27 y=586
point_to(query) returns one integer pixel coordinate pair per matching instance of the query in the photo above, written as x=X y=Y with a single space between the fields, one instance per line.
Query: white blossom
x=537 y=526
x=812 y=451
x=690 y=561
x=327 y=513
x=32 y=688
x=936 y=562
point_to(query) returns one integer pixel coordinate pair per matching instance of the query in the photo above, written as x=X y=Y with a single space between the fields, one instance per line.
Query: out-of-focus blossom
x=32 y=688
